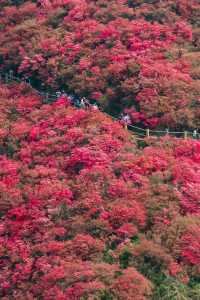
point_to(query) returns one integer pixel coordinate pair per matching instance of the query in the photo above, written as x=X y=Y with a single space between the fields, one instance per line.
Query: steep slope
x=85 y=214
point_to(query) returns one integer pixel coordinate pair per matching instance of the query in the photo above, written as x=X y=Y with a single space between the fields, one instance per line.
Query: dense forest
x=87 y=211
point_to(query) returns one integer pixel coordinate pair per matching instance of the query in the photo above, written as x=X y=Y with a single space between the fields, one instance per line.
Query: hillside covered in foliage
x=86 y=214
x=141 y=56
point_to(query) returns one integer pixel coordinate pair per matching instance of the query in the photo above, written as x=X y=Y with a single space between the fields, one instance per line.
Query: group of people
x=85 y=104
x=76 y=101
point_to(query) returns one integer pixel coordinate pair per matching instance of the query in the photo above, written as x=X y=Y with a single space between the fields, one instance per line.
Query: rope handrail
x=9 y=77
x=139 y=128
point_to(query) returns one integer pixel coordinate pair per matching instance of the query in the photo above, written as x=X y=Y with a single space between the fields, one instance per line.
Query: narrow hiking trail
x=139 y=132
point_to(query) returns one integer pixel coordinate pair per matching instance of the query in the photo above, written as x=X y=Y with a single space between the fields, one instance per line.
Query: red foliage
x=191 y=246
x=73 y=186
x=84 y=213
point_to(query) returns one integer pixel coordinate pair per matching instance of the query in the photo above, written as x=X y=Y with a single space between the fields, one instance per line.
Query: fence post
x=185 y=135
x=125 y=126
x=147 y=132
x=6 y=78
x=11 y=75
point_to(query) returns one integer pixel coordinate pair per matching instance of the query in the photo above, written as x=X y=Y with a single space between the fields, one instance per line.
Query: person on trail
x=64 y=94
x=70 y=98
x=82 y=103
x=195 y=134
x=74 y=100
x=95 y=107
x=58 y=94
x=87 y=103
x=77 y=101
x=126 y=120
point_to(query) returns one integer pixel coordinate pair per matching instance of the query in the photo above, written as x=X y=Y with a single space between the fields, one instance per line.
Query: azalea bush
x=85 y=214
x=88 y=212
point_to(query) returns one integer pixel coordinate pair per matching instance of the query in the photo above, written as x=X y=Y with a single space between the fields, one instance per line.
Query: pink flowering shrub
x=84 y=213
